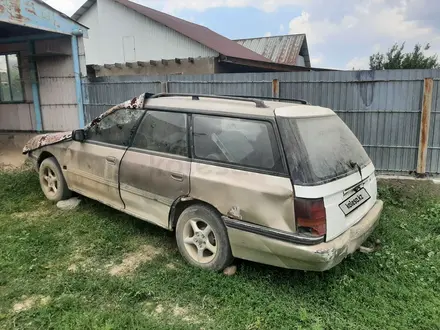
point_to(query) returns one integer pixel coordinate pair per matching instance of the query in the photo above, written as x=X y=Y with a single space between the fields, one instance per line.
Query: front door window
x=117 y=128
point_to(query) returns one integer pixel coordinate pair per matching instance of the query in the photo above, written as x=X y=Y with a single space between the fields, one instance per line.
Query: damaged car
x=280 y=183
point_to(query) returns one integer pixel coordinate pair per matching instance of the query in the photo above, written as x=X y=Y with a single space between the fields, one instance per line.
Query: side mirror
x=79 y=135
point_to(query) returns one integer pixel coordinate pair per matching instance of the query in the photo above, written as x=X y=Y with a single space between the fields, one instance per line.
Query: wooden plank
x=424 y=126
x=275 y=88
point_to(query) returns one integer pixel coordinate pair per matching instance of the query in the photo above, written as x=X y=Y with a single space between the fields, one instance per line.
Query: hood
x=42 y=140
x=46 y=139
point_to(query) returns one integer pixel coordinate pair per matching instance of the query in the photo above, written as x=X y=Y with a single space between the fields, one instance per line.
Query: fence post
x=164 y=86
x=424 y=126
x=275 y=89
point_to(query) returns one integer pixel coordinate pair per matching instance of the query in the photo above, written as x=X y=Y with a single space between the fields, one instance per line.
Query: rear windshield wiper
x=353 y=165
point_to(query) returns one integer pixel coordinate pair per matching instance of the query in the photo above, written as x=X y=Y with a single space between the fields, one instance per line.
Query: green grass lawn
x=96 y=268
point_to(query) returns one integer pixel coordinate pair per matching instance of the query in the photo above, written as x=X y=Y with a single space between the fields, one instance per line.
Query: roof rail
x=196 y=97
x=273 y=98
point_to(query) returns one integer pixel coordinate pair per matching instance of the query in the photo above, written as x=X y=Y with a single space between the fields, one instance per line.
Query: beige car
x=285 y=184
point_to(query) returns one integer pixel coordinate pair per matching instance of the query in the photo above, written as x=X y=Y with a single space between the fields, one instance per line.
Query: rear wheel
x=202 y=238
x=52 y=181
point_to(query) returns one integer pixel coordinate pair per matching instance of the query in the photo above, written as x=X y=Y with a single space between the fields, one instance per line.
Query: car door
x=92 y=166
x=155 y=169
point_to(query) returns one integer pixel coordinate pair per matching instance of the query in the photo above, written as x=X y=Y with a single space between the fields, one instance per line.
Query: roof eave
x=83 y=9
x=262 y=64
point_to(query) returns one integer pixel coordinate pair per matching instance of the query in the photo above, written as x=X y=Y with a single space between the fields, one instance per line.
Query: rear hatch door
x=346 y=200
x=327 y=161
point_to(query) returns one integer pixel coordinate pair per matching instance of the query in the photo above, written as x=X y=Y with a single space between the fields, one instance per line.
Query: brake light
x=310 y=216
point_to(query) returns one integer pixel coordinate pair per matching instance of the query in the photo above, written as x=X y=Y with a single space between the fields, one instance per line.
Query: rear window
x=320 y=149
x=236 y=141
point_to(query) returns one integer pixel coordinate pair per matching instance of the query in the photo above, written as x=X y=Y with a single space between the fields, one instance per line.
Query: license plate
x=354 y=201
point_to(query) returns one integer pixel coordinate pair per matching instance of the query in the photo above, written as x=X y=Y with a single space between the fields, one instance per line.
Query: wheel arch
x=44 y=155
x=182 y=203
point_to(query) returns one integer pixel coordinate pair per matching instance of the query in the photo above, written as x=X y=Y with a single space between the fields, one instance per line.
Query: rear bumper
x=320 y=257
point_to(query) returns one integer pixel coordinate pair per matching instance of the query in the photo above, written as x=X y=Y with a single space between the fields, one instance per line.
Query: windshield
x=320 y=149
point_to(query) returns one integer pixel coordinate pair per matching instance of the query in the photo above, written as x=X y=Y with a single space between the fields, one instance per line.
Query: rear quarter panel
x=262 y=199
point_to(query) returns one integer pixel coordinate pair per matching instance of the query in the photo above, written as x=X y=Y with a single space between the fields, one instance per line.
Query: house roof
x=279 y=49
x=199 y=33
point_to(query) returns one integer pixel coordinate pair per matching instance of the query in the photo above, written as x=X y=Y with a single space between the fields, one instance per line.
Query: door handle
x=111 y=160
x=177 y=176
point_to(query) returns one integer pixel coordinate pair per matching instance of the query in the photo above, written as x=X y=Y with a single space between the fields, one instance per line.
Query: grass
x=55 y=266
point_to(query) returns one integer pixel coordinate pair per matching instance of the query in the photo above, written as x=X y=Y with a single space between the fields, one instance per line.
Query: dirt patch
x=11 y=158
x=80 y=260
x=30 y=302
x=31 y=215
x=171 y=266
x=72 y=268
x=177 y=312
x=133 y=260
x=183 y=314
x=158 y=309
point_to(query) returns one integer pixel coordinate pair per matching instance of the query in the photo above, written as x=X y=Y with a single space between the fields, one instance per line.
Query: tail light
x=310 y=216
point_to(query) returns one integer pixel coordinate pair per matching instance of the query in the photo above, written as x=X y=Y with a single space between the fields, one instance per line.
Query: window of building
x=11 y=88
x=117 y=128
x=243 y=142
x=163 y=132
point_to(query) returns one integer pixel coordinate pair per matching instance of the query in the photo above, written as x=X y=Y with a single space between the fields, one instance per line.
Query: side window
x=163 y=132
x=236 y=141
x=117 y=128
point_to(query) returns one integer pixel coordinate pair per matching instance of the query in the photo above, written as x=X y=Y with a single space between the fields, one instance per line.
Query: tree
x=395 y=58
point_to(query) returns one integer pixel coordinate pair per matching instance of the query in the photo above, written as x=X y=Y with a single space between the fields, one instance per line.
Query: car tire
x=52 y=181
x=202 y=238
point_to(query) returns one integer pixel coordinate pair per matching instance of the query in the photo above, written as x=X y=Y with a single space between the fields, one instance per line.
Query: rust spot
x=31 y=11
x=133 y=102
x=13 y=8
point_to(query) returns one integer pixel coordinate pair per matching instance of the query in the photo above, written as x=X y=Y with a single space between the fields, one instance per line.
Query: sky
x=341 y=34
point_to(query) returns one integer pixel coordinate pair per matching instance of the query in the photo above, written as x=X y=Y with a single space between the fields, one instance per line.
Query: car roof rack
x=196 y=97
x=273 y=99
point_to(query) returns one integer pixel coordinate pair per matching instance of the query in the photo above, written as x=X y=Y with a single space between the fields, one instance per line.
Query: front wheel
x=202 y=238
x=52 y=181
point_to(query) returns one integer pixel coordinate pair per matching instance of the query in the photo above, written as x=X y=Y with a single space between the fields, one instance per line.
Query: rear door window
x=244 y=142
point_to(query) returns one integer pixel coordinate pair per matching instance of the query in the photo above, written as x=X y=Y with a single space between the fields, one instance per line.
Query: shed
x=127 y=38
x=41 y=64
x=290 y=49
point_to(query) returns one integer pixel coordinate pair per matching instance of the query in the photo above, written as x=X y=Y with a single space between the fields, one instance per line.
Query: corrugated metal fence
x=383 y=108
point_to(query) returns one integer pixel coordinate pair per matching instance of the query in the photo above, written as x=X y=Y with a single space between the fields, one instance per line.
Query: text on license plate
x=354 y=201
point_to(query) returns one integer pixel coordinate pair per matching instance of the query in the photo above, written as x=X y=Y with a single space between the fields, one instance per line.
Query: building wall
x=57 y=88
x=59 y=108
x=118 y=34
x=92 y=44
x=19 y=116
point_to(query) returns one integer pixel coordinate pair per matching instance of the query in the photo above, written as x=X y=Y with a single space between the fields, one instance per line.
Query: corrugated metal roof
x=279 y=49
x=196 y=32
